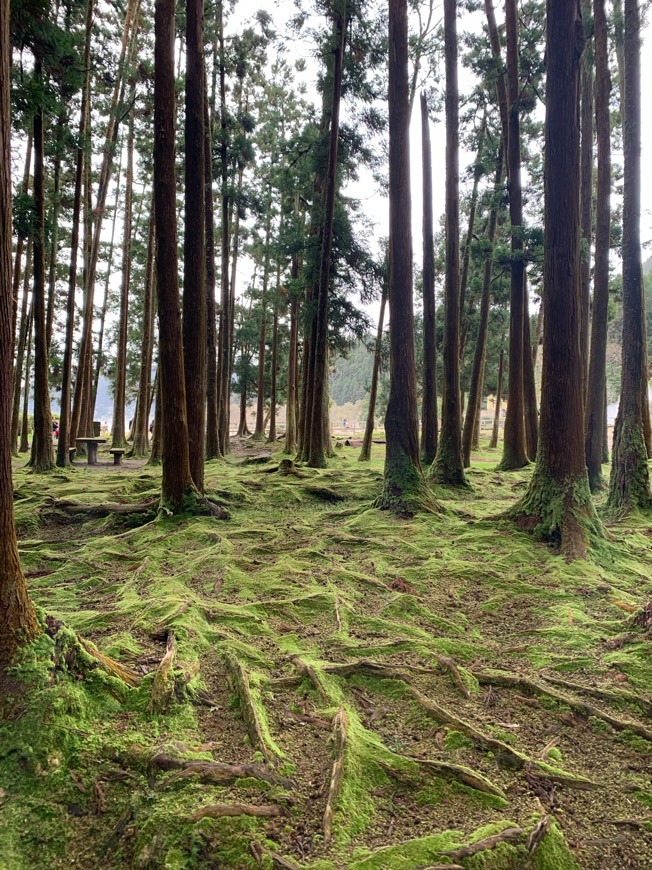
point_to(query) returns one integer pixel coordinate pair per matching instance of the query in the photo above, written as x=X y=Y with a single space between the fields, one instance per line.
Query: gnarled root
x=163 y=684
x=509 y=835
x=220 y=811
x=340 y=723
x=240 y=682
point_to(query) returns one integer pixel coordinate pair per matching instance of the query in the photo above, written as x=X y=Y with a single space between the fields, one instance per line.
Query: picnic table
x=91 y=445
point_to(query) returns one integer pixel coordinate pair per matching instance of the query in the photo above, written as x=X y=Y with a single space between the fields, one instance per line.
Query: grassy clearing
x=307 y=568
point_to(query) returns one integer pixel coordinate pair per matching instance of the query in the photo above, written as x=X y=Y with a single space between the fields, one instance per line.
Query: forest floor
x=347 y=689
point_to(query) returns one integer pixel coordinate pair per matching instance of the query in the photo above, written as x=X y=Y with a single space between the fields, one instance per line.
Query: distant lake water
x=612 y=409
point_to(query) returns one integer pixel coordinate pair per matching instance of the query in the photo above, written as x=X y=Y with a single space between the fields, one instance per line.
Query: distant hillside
x=352 y=376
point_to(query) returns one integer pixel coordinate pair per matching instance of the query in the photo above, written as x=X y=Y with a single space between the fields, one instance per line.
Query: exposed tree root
x=220 y=811
x=308 y=671
x=537 y=836
x=338 y=618
x=217 y=773
x=449 y=665
x=76 y=653
x=163 y=683
x=515 y=681
x=613 y=695
x=509 y=835
x=462 y=774
x=240 y=682
x=337 y=774
x=103 y=510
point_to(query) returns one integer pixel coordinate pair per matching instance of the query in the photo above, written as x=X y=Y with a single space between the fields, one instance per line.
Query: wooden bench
x=117 y=453
x=91 y=446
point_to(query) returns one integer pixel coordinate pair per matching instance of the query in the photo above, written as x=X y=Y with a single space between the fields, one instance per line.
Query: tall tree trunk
x=429 y=405
x=448 y=467
x=478 y=170
x=18 y=623
x=194 y=245
x=226 y=338
x=177 y=485
x=259 y=431
x=271 y=437
x=118 y=428
x=530 y=411
x=629 y=485
x=596 y=392
x=54 y=230
x=42 y=453
x=477 y=372
x=63 y=455
x=24 y=429
x=293 y=364
x=514 y=446
x=499 y=394
x=20 y=242
x=404 y=489
x=212 y=387
x=365 y=451
x=318 y=446
x=141 y=419
x=155 y=452
x=586 y=188
x=20 y=350
x=558 y=503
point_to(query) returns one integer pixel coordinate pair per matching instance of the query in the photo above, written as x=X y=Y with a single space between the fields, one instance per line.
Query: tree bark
x=448 y=467
x=365 y=451
x=24 y=428
x=226 y=338
x=499 y=394
x=404 y=489
x=42 y=456
x=20 y=242
x=259 y=430
x=140 y=445
x=293 y=363
x=429 y=405
x=514 y=445
x=63 y=454
x=20 y=350
x=586 y=190
x=120 y=389
x=271 y=437
x=596 y=391
x=18 y=623
x=194 y=244
x=530 y=411
x=558 y=503
x=629 y=485
x=475 y=387
x=212 y=387
x=177 y=485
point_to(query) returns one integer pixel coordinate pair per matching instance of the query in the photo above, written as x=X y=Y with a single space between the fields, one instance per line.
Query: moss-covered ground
x=306 y=575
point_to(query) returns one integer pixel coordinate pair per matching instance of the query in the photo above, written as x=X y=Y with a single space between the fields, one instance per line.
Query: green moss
x=553 y=852
x=456 y=740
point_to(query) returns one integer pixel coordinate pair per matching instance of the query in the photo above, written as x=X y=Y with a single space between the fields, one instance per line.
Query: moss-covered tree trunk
x=429 y=402
x=18 y=623
x=558 y=504
x=629 y=485
x=596 y=388
x=177 y=485
x=404 y=489
x=514 y=444
x=448 y=467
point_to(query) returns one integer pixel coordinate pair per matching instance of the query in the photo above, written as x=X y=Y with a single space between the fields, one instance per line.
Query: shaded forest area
x=424 y=647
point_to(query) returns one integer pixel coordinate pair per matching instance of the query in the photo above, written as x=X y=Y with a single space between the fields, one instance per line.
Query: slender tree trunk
x=499 y=394
x=54 y=231
x=293 y=364
x=212 y=387
x=596 y=392
x=177 y=485
x=226 y=338
x=118 y=428
x=404 y=489
x=24 y=429
x=429 y=405
x=318 y=445
x=271 y=437
x=259 y=431
x=243 y=429
x=478 y=170
x=42 y=453
x=531 y=414
x=629 y=485
x=448 y=467
x=558 y=503
x=514 y=445
x=63 y=454
x=365 y=451
x=20 y=351
x=18 y=623
x=477 y=372
x=141 y=418
x=20 y=242
x=155 y=452
x=194 y=245
x=586 y=188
